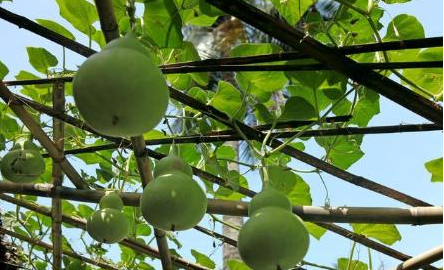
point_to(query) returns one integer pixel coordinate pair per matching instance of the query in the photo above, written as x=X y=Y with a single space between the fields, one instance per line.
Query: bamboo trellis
x=328 y=58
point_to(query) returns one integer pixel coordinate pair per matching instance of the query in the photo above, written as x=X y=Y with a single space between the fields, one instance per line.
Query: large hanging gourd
x=23 y=163
x=119 y=91
x=273 y=238
x=173 y=200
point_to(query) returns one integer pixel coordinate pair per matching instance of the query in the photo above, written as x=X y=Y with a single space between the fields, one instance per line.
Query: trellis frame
x=412 y=101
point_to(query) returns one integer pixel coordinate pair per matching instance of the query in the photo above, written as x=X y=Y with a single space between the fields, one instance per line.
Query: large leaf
x=297 y=108
x=434 y=167
x=292 y=10
x=259 y=84
x=428 y=78
x=202 y=259
x=190 y=54
x=386 y=233
x=237 y=265
x=315 y=230
x=41 y=59
x=163 y=24
x=3 y=70
x=56 y=27
x=404 y=27
x=80 y=13
x=228 y=99
x=291 y=184
x=343 y=264
x=366 y=107
x=342 y=151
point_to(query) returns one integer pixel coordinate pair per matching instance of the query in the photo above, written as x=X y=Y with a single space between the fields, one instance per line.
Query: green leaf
x=263 y=114
x=190 y=54
x=343 y=150
x=259 y=84
x=3 y=70
x=292 y=10
x=366 y=107
x=434 y=167
x=343 y=264
x=41 y=59
x=386 y=233
x=315 y=230
x=404 y=27
x=237 y=265
x=203 y=259
x=284 y=180
x=431 y=79
x=228 y=100
x=163 y=24
x=209 y=10
x=81 y=14
x=56 y=27
x=297 y=108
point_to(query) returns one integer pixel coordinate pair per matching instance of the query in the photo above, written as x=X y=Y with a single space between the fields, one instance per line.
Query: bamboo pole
x=430 y=256
x=42 y=137
x=58 y=101
x=49 y=247
x=378 y=215
x=230 y=135
x=80 y=223
x=337 y=61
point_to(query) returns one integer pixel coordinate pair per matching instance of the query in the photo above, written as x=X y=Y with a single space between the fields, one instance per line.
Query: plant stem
x=350 y=257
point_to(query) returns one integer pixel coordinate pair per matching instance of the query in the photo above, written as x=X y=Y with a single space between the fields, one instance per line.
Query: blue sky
x=395 y=160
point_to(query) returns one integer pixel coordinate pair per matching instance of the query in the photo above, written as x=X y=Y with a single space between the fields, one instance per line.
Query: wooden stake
x=58 y=102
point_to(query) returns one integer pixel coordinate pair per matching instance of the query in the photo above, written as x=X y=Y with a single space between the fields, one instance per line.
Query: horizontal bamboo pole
x=49 y=247
x=430 y=256
x=230 y=135
x=383 y=215
x=81 y=224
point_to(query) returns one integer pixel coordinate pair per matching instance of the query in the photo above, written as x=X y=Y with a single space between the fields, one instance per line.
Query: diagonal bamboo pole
x=332 y=58
x=430 y=256
x=58 y=101
x=378 y=215
x=81 y=224
x=49 y=247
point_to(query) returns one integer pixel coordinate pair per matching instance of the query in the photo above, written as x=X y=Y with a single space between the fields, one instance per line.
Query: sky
x=396 y=160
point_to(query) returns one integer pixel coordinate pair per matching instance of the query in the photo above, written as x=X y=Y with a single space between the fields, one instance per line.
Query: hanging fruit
x=273 y=238
x=108 y=225
x=173 y=200
x=119 y=91
x=23 y=164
